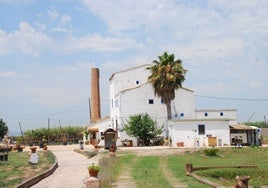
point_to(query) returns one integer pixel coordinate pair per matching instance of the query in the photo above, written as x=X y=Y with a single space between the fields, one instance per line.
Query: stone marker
x=92 y=182
x=34 y=158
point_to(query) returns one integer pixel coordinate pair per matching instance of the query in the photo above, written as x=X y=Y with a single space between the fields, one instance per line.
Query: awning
x=109 y=130
x=93 y=129
x=241 y=127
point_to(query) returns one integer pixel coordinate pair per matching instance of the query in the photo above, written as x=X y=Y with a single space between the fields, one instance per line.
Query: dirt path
x=125 y=179
x=169 y=175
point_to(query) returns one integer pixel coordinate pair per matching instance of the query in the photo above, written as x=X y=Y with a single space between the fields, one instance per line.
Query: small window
x=137 y=82
x=206 y=114
x=116 y=103
x=201 y=129
x=221 y=114
x=162 y=101
x=182 y=114
x=151 y=101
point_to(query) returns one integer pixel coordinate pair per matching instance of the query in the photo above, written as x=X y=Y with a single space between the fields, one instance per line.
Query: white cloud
x=65 y=19
x=53 y=13
x=97 y=42
x=28 y=41
x=7 y=74
x=4 y=43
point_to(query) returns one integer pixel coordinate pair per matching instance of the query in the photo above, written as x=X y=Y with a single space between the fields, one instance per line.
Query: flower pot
x=33 y=149
x=180 y=144
x=93 y=173
x=112 y=149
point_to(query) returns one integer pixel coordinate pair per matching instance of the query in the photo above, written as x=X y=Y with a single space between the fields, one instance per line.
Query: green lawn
x=147 y=173
x=16 y=169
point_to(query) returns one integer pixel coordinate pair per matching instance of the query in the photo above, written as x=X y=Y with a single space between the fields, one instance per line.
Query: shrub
x=211 y=152
x=91 y=153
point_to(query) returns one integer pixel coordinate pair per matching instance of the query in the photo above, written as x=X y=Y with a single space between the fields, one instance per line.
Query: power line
x=230 y=98
x=51 y=114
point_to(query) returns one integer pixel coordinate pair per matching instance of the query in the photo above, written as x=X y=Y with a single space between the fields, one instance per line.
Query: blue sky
x=47 y=49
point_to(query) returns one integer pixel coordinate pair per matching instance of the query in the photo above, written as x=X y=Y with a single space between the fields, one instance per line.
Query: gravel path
x=72 y=170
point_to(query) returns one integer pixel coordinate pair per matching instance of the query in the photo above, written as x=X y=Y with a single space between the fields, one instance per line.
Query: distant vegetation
x=3 y=129
x=52 y=135
x=260 y=124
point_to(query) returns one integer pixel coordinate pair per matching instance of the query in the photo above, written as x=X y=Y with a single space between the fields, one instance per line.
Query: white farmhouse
x=130 y=93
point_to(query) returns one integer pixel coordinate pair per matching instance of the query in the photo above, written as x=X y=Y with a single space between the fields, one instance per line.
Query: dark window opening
x=201 y=129
x=182 y=114
x=221 y=113
x=137 y=82
x=151 y=101
x=206 y=114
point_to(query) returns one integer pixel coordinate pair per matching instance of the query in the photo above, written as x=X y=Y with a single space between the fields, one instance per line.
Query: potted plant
x=45 y=147
x=93 y=170
x=86 y=133
x=33 y=149
x=112 y=147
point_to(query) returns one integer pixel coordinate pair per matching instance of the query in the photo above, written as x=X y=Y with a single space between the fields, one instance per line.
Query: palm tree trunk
x=168 y=105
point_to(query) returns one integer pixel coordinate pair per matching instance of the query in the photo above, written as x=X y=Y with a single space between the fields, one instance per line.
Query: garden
x=17 y=169
x=148 y=170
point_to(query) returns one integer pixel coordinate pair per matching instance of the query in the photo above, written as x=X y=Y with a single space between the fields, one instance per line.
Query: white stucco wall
x=136 y=100
x=217 y=113
x=129 y=78
x=187 y=132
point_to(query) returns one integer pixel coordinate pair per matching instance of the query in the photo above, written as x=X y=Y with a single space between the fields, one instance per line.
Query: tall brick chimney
x=95 y=107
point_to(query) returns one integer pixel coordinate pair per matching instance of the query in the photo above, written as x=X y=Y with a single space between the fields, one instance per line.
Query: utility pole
x=265 y=121
x=21 y=133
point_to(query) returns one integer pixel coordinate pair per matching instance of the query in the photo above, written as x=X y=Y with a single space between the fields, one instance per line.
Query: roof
x=199 y=119
x=138 y=86
x=241 y=127
x=213 y=110
x=144 y=65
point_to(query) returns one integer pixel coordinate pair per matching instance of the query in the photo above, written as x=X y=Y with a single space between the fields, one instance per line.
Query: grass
x=16 y=169
x=146 y=171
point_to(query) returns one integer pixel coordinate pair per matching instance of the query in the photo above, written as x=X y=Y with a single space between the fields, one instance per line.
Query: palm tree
x=167 y=75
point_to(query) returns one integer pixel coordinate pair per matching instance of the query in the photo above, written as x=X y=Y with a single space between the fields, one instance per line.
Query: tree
x=142 y=127
x=167 y=75
x=3 y=129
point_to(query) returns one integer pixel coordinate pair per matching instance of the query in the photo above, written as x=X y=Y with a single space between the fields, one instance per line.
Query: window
x=206 y=114
x=116 y=103
x=201 y=129
x=162 y=101
x=137 y=82
x=182 y=114
x=221 y=114
x=151 y=101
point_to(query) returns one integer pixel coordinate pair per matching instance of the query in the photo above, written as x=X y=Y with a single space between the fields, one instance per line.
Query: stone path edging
x=34 y=180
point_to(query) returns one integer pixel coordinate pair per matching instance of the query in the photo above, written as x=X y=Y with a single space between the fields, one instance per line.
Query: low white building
x=130 y=93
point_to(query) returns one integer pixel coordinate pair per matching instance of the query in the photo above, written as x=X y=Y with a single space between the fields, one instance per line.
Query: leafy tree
x=142 y=127
x=3 y=129
x=167 y=75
